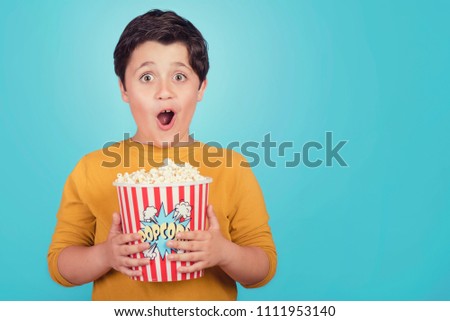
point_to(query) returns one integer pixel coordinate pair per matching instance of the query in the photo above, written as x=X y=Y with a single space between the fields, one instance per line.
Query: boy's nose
x=164 y=91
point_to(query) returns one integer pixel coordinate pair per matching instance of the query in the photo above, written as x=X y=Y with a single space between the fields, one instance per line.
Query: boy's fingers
x=116 y=226
x=129 y=262
x=132 y=249
x=191 y=235
x=213 y=222
x=127 y=238
x=181 y=245
x=191 y=268
x=185 y=257
x=129 y=272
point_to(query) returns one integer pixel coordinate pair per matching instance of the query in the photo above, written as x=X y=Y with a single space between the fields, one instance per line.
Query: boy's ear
x=201 y=90
x=123 y=92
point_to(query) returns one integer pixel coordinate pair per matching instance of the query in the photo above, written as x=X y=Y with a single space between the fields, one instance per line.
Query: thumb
x=116 y=226
x=213 y=222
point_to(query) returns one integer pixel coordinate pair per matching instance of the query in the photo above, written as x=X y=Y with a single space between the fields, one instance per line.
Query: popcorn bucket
x=158 y=213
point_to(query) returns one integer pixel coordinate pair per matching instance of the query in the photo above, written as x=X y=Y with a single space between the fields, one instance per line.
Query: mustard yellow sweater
x=89 y=199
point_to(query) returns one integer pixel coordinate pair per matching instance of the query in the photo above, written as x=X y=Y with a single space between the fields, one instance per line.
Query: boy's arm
x=83 y=264
x=246 y=265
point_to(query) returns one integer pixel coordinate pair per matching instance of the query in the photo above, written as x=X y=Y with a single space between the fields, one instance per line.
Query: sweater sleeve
x=249 y=226
x=75 y=222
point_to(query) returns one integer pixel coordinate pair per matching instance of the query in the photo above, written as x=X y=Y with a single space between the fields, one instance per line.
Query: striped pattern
x=133 y=200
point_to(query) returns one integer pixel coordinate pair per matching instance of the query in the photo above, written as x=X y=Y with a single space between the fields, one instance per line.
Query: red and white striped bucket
x=158 y=212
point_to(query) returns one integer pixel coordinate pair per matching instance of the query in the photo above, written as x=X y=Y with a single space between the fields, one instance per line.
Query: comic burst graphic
x=161 y=225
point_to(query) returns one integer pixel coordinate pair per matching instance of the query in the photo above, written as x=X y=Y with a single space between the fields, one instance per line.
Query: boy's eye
x=179 y=77
x=147 y=77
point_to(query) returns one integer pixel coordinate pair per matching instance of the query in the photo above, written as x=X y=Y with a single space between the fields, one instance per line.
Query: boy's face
x=162 y=90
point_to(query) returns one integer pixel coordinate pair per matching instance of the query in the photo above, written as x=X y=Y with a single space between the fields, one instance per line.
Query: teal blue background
x=374 y=73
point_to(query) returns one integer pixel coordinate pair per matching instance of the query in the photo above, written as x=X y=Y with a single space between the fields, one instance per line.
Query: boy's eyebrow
x=148 y=63
x=180 y=64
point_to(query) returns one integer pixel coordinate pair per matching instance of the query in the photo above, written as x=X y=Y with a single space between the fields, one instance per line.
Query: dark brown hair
x=165 y=27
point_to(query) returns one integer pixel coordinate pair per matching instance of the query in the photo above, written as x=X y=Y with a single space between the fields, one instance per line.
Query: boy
x=161 y=60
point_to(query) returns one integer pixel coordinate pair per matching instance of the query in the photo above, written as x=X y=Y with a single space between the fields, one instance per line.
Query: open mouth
x=165 y=117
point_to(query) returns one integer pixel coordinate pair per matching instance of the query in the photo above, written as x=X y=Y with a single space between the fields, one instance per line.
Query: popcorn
x=170 y=173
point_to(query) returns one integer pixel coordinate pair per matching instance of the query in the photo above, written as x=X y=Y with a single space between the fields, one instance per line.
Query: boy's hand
x=118 y=249
x=206 y=248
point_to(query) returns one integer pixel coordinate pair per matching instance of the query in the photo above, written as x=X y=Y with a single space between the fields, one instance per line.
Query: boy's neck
x=186 y=140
